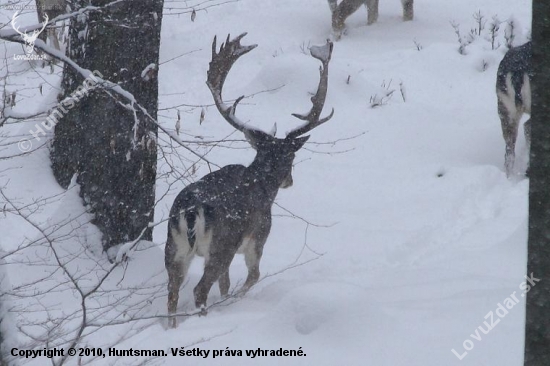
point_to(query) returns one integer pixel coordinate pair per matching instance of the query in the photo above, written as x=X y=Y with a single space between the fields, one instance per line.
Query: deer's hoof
x=337 y=34
x=203 y=311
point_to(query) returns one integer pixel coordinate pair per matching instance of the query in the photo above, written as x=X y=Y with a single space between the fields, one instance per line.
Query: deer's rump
x=194 y=208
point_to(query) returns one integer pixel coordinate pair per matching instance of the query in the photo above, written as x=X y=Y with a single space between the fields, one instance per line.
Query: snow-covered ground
x=404 y=235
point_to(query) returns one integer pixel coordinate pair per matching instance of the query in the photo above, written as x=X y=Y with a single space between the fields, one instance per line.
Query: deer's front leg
x=254 y=250
x=342 y=12
x=224 y=283
x=252 y=260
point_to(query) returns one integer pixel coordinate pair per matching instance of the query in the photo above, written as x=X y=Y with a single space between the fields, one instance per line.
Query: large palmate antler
x=313 y=118
x=221 y=63
x=229 y=53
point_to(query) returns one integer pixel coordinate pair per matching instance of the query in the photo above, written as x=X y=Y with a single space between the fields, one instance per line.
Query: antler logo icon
x=29 y=39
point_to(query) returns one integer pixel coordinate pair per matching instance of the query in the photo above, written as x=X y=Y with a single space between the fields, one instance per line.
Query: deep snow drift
x=415 y=235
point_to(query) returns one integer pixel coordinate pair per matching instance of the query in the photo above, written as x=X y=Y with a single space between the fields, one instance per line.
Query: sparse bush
x=487 y=36
x=378 y=100
x=482 y=32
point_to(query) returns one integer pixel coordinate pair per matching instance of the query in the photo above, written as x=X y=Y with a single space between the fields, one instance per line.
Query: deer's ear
x=298 y=143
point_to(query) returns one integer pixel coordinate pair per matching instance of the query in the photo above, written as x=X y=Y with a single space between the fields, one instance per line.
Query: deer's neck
x=263 y=173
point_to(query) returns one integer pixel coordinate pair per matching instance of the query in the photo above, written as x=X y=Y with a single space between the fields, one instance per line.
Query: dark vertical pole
x=537 y=327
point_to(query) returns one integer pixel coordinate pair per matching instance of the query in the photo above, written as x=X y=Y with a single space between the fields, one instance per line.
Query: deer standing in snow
x=514 y=98
x=340 y=12
x=229 y=211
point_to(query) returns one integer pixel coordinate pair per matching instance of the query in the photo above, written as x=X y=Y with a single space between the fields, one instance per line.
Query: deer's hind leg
x=215 y=268
x=509 y=119
x=342 y=12
x=408 y=10
x=177 y=270
x=527 y=133
x=372 y=10
x=178 y=255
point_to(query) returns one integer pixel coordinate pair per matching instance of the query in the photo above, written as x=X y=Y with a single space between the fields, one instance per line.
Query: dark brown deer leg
x=510 y=126
x=372 y=9
x=342 y=12
x=224 y=283
x=408 y=10
x=175 y=279
x=215 y=266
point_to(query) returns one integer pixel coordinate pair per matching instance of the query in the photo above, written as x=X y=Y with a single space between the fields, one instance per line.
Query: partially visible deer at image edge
x=229 y=211
x=340 y=12
x=513 y=88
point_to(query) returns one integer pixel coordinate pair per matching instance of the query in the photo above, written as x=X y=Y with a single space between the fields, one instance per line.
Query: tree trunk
x=7 y=328
x=537 y=327
x=112 y=150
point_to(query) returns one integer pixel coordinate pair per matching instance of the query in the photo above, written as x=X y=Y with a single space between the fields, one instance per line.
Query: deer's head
x=275 y=155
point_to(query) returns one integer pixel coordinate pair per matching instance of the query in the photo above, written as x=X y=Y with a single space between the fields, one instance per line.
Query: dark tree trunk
x=113 y=152
x=4 y=347
x=537 y=331
x=6 y=321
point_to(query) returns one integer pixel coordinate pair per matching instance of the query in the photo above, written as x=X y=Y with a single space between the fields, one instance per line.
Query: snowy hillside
x=400 y=234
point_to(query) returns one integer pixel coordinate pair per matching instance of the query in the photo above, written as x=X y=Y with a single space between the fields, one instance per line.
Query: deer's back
x=231 y=202
x=515 y=65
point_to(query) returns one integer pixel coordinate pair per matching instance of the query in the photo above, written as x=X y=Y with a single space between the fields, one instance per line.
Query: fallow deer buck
x=514 y=98
x=229 y=211
x=340 y=12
